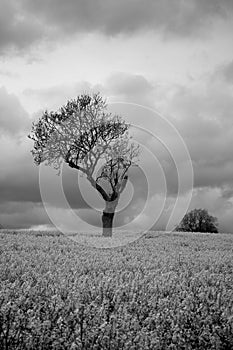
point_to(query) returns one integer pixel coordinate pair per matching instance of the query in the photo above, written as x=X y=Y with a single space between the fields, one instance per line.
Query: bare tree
x=84 y=135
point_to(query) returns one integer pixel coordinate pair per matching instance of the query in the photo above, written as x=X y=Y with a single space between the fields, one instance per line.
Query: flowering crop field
x=164 y=291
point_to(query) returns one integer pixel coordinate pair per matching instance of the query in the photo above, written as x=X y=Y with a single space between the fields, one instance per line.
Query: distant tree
x=85 y=136
x=198 y=220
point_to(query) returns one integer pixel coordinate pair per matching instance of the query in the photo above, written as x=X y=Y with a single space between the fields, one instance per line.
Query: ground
x=163 y=291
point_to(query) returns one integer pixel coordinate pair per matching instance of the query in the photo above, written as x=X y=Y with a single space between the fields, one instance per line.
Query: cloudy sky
x=171 y=56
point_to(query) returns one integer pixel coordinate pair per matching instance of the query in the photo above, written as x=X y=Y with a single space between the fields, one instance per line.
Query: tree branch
x=123 y=185
x=98 y=188
x=75 y=166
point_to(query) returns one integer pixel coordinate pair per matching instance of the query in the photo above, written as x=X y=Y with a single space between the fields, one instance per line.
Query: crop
x=164 y=291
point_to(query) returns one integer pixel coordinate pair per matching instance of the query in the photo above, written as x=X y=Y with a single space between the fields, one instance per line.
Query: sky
x=166 y=65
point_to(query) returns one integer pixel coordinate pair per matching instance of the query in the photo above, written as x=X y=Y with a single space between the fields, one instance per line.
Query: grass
x=118 y=238
x=163 y=291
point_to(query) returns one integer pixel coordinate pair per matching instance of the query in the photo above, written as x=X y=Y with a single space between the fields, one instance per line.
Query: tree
x=198 y=220
x=85 y=136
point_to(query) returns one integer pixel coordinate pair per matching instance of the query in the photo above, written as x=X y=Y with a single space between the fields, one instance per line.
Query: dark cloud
x=24 y=22
x=14 y=215
x=226 y=71
x=20 y=201
x=18 y=28
x=54 y=97
x=130 y=87
x=20 y=181
x=226 y=221
x=114 y=17
x=213 y=175
x=227 y=192
x=19 y=176
x=202 y=114
x=13 y=118
x=20 y=189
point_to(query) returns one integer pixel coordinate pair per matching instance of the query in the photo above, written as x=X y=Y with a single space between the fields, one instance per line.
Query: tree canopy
x=198 y=220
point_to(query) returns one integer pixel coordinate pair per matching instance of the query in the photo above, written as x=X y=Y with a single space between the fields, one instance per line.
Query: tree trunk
x=107 y=217
x=107 y=220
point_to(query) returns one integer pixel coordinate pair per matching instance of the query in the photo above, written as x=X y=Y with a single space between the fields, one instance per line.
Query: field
x=163 y=291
